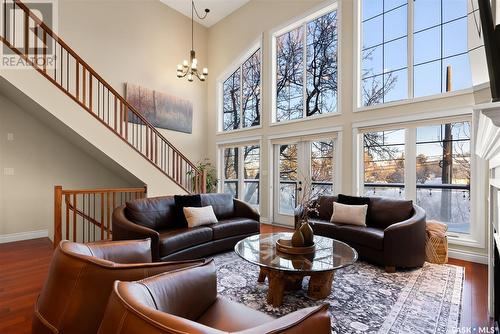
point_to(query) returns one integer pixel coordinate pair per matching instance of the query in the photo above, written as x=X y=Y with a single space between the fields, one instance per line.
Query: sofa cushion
x=355 y=200
x=349 y=214
x=383 y=212
x=155 y=213
x=234 y=226
x=200 y=216
x=221 y=203
x=367 y=236
x=177 y=239
x=325 y=209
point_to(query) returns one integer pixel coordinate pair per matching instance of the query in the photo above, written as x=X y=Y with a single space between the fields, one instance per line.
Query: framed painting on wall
x=162 y=110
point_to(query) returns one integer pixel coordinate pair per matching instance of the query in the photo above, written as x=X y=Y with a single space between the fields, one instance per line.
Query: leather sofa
x=186 y=301
x=156 y=218
x=394 y=235
x=80 y=280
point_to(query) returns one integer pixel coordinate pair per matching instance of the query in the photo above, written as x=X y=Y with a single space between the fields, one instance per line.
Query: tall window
x=242 y=183
x=439 y=35
x=440 y=164
x=306 y=69
x=241 y=95
x=384 y=161
x=443 y=173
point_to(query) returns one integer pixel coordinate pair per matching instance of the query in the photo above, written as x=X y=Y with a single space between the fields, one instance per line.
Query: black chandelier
x=189 y=68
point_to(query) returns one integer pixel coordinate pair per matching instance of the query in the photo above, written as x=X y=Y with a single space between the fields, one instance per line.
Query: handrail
x=87 y=212
x=420 y=186
x=78 y=80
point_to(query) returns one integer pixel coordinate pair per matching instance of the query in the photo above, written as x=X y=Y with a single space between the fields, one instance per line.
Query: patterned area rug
x=364 y=298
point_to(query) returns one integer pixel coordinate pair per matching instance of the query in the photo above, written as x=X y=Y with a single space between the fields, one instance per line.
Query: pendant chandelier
x=189 y=68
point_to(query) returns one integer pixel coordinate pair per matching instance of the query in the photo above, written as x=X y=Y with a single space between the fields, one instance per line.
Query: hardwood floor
x=24 y=265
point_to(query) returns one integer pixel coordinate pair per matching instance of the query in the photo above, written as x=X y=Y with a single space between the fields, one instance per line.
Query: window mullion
x=411 y=164
x=241 y=172
x=410 y=45
x=304 y=73
x=241 y=96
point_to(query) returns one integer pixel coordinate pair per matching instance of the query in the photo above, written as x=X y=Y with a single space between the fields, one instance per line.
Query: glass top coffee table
x=285 y=271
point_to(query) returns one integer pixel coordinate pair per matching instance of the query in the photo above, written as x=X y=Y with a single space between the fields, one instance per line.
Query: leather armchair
x=186 y=301
x=74 y=296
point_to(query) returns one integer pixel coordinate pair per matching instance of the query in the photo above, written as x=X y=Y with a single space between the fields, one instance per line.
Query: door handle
x=299 y=188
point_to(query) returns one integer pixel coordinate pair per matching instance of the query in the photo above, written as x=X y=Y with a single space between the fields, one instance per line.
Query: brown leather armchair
x=394 y=235
x=80 y=280
x=186 y=301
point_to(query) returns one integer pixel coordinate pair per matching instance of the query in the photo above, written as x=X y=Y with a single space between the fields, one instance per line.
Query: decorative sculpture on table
x=303 y=237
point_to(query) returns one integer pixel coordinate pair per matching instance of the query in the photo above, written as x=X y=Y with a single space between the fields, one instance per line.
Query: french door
x=302 y=168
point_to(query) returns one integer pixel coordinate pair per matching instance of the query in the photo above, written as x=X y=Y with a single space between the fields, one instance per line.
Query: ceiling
x=219 y=9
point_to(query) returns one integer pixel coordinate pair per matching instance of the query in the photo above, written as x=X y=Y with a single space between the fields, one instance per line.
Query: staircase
x=38 y=46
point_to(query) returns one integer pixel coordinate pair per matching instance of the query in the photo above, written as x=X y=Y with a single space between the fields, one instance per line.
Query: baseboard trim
x=468 y=256
x=4 y=238
x=265 y=220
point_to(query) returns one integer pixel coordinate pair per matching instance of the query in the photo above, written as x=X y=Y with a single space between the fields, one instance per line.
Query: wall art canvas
x=162 y=110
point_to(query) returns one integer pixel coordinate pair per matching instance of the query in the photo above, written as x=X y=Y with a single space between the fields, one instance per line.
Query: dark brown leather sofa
x=394 y=235
x=186 y=301
x=156 y=218
x=80 y=280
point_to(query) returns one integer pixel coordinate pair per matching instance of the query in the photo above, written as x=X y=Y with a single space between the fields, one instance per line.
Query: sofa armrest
x=404 y=242
x=243 y=209
x=308 y=320
x=124 y=229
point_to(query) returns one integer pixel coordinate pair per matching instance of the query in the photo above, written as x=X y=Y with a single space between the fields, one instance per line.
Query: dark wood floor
x=24 y=265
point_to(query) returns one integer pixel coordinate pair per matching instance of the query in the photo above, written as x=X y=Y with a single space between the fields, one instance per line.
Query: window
x=306 y=69
x=439 y=171
x=443 y=174
x=384 y=161
x=241 y=95
x=388 y=56
x=243 y=183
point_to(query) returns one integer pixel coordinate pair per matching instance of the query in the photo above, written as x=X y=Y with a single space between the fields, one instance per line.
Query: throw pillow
x=200 y=216
x=349 y=214
x=356 y=200
x=182 y=201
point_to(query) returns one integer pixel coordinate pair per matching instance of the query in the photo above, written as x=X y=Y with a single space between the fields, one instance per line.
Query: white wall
x=41 y=158
x=233 y=36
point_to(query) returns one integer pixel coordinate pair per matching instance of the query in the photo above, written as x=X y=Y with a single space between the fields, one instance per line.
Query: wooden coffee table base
x=320 y=284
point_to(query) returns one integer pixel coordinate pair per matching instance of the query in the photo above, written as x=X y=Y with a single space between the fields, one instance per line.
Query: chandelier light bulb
x=185 y=63
x=190 y=77
x=179 y=67
x=205 y=71
x=202 y=77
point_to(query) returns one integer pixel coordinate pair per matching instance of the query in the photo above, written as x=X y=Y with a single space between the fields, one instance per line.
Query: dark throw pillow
x=185 y=201
x=355 y=200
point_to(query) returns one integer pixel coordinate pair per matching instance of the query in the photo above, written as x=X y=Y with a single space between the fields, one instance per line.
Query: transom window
x=395 y=67
x=306 y=69
x=241 y=101
x=241 y=172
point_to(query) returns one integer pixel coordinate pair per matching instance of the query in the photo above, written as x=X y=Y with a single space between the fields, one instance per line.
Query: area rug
x=364 y=298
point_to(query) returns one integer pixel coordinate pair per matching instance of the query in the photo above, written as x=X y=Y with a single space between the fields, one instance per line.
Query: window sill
x=434 y=97
x=218 y=133
x=464 y=240
x=305 y=119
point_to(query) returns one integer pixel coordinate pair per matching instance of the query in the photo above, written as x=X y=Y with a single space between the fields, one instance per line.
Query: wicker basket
x=436 y=245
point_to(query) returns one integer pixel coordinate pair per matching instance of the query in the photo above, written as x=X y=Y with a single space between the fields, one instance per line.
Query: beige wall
x=41 y=158
x=233 y=36
x=140 y=42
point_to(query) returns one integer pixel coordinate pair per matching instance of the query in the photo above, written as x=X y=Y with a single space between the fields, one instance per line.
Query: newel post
x=57 y=215
x=203 y=181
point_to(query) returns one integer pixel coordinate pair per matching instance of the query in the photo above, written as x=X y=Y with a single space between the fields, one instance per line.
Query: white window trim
x=240 y=142
x=358 y=107
x=315 y=12
x=235 y=65
x=476 y=237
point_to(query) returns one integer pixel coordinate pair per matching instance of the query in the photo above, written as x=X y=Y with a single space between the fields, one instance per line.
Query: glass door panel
x=322 y=166
x=288 y=178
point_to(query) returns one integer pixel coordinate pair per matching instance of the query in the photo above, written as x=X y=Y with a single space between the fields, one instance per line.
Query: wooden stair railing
x=78 y=80
x=87 y=212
